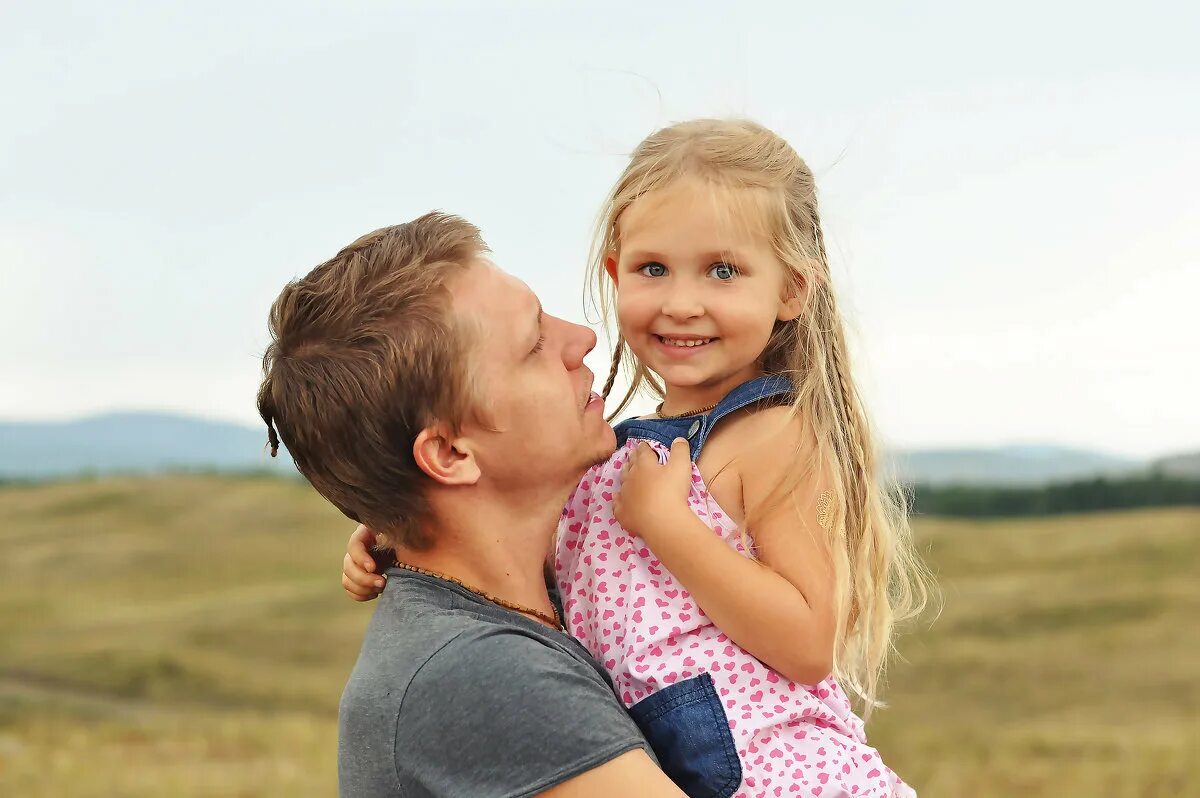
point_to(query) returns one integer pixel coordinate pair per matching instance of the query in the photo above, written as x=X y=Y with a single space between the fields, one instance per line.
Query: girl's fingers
x=643 y=454
x=357 y=593
x=359 y=547
x=355 y=573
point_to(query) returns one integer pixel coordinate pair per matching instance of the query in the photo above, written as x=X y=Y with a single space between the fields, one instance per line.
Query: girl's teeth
x=676 y=342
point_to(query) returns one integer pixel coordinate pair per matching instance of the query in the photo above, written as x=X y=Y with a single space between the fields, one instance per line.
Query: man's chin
x=599 y=460
x=605 y=449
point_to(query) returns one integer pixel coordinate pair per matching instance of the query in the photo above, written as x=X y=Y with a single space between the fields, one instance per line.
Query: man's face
x=539 y=421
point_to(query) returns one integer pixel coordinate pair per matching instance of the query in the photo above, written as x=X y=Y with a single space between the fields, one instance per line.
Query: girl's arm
x=780 y=608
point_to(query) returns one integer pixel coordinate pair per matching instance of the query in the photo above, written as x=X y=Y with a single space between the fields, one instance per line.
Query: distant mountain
x=149 y=442
x=132 y=442
x=1008 y=465
x=1178 y=465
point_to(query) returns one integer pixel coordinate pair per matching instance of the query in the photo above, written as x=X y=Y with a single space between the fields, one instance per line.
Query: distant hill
x=1178 y=465
x=153 y=442
x=1008 y=465
x=132 y=442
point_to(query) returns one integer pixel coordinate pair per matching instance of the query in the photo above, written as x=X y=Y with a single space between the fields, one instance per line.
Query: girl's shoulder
x=766 y=427
x=762 y=440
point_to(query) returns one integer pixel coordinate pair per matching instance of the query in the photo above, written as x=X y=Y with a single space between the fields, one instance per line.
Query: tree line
x=1099 y=493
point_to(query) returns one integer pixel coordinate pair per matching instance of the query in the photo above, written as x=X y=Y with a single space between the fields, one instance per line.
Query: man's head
x=404 y=366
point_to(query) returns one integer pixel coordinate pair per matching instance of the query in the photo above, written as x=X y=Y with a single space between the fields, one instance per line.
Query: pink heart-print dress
x=636 y=619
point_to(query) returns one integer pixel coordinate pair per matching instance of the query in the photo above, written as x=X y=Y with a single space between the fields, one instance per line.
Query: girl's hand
x=652 y=494
x=359 y=579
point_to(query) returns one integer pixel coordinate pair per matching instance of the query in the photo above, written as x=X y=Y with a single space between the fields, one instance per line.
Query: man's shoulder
x=492 y=652
x=423 y=674
x=452 y=649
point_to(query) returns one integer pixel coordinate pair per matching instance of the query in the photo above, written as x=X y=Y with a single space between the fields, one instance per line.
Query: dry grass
x=1065 y=662
x=187 y=636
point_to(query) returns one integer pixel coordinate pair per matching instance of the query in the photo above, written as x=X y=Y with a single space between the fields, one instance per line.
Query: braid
x=850 y=406
x=624 y=402
x=617 y=356
x=618 y=351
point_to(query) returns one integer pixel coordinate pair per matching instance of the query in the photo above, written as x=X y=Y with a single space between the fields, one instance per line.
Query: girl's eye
x=653 y=269
x=538 y=346
x=723 y=271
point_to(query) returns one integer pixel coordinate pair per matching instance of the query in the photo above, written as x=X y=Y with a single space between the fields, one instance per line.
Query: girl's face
x=698 y=288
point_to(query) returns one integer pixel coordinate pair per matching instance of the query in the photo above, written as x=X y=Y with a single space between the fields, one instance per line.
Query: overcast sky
x=1010 y=193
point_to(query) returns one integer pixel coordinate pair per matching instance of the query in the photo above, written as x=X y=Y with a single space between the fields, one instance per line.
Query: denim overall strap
x=697 y=428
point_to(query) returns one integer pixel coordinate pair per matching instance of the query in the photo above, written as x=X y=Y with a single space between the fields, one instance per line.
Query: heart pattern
x=792 y=739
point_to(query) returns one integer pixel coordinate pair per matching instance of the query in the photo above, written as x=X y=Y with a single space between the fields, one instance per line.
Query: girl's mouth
x=683 y=347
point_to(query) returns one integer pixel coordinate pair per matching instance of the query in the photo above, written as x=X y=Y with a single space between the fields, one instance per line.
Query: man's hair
x=364 y=354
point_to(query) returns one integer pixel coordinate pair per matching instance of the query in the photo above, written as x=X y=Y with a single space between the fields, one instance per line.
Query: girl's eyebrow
x=724 y=255
x=707 y=258
x=643 y=256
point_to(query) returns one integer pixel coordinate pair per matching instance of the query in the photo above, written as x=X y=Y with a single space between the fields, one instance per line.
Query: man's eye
x=653 y=269
x=723 y=271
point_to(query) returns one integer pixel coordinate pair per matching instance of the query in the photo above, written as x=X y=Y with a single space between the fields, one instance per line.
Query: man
x=423 y=391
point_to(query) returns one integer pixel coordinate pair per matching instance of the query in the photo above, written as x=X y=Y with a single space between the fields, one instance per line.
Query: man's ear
x=610 y=266
x=444 y=457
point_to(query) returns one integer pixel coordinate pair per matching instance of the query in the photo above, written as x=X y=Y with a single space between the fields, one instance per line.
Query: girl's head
x=712 y=224
x=710 y=252
x=700 y=289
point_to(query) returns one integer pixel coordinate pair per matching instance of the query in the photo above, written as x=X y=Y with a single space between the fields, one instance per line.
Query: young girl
x=737 y=561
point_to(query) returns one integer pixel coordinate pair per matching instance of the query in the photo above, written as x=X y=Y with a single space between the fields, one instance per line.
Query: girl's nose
x=682 y=304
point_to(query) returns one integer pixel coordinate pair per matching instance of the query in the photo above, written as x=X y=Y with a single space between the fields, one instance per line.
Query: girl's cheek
x=630 y=314
x=625 y=323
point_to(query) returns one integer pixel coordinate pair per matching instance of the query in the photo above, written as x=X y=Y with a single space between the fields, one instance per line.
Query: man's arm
x=632 y=773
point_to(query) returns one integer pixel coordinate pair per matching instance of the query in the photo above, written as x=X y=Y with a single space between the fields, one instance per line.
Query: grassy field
x=187 y=636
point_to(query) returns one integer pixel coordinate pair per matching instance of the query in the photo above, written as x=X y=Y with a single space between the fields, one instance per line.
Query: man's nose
x=579 y=341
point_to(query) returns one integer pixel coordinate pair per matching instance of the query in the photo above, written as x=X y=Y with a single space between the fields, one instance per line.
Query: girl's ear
x=792 y=304
x=790 y=308
x=610 y=266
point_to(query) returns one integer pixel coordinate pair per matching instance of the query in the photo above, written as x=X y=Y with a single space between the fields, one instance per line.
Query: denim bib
x=697 y=428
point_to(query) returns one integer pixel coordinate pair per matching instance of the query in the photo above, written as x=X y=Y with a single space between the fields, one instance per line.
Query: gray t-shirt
x=455 y=696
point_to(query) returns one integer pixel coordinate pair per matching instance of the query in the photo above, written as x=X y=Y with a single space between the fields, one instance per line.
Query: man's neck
x=498 y=546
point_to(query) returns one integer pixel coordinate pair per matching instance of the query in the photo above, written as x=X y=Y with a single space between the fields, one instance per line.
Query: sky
x=1009 y=193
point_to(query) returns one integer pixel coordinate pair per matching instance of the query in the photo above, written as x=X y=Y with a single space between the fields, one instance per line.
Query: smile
x=684 y=343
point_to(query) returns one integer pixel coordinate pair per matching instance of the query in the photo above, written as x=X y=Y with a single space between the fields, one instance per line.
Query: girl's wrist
x=667 y=523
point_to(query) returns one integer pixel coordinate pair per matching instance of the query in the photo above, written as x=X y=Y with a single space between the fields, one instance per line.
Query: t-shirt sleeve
x=500 y=714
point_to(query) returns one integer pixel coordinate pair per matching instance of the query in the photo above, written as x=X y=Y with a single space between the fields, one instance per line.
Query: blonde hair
x=881 y=581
